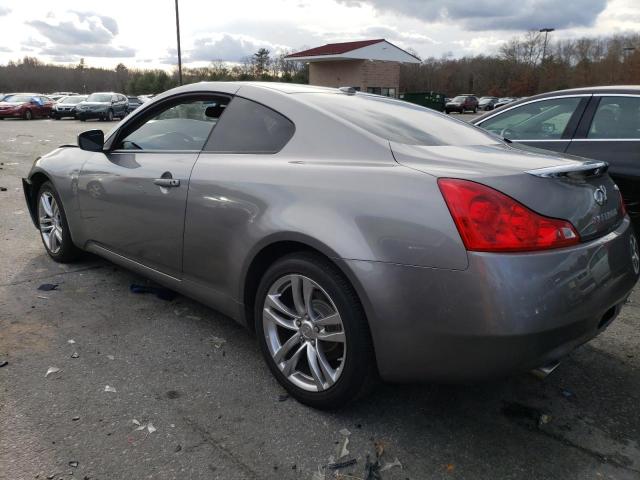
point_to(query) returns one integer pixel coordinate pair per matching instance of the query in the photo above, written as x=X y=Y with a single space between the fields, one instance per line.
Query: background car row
x=468 y=102
x=99 y=105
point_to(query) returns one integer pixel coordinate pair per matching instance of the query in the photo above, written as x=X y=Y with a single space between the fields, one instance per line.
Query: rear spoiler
x=581 y=170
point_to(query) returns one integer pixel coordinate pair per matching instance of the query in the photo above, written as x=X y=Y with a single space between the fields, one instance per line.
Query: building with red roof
x=368 y=65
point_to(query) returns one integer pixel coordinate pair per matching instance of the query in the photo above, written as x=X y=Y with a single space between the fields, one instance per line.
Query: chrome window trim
x=616 y=94
x=579 y=95
x=125 y=151
x=540 y=140
x=606 y=139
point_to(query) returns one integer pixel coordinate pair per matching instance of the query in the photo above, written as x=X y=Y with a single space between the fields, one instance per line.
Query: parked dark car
x=462 y=103
x=25 y=105
x=487 y=103
x=602 y=123
x=103 y=106
x=134 y=102
x=66 y=106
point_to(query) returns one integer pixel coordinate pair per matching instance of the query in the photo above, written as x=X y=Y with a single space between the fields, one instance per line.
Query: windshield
x=399 y=121
x=18 y=98
x=134 y=99
x=459 y=99
x=99 y=97
x=73 y=100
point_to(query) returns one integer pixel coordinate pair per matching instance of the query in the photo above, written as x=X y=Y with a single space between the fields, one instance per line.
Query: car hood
x=515 y=170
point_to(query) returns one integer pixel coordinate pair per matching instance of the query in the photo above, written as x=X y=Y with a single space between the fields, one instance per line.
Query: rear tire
x=343 y=345
x=28 y=115
x=110 y=116
x=53 y=226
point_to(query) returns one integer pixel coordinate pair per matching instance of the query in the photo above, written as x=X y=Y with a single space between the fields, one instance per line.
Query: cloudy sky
x=142 y=34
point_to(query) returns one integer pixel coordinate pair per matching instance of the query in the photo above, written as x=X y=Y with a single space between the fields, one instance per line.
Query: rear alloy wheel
x=110 y=115
x=313 y=332
x=28 y=115
x=53 y=226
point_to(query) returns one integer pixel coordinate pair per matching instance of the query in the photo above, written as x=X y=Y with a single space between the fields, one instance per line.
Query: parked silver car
x=360 y=236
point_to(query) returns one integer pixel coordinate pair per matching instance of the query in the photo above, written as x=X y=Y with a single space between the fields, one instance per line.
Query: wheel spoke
x=281 y=322
x=296 y=293
x=290 y=365
x=331 y=336
x=333 y=319
x=46 y=228
x=58 y=233
x=328 y=372
x=284 y=349
x=273 y=301
x=312 y=358
x=45 y=201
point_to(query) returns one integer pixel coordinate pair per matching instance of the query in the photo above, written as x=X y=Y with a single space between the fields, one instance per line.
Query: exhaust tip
x=544 y=371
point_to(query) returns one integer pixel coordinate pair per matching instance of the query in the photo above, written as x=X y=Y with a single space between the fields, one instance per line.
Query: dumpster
x=433 y=100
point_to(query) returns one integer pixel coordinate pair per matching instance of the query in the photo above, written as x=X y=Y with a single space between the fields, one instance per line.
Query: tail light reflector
x=490 y=221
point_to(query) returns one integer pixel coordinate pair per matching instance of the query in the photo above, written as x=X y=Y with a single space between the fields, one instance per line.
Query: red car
x=25 y=105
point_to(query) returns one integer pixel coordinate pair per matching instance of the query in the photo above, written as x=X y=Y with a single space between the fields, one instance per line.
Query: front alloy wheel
x=313 y=332
x=50 y=222
x=304 y=333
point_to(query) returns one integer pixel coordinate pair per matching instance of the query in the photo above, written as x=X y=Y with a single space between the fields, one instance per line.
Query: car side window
x=541 y=120
x=616 y=117
x=182 y=126
x=249 y=127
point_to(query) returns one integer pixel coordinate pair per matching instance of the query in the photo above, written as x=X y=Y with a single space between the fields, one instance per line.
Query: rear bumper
x=504 y=314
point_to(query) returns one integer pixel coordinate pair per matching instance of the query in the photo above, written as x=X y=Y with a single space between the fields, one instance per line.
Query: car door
x=610 y=131
x=133 y=196
x=123 y=105
x=547 y=123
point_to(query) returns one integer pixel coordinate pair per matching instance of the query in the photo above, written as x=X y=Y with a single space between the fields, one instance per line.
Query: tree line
x=522 y=66
x=32 y=75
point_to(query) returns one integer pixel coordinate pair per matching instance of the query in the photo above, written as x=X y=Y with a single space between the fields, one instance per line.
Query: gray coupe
x=361 y=237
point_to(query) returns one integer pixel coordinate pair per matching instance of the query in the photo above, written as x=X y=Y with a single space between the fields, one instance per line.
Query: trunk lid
x=554 y=185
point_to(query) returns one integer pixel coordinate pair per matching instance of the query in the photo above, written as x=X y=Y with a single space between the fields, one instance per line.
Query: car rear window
x=399 y=121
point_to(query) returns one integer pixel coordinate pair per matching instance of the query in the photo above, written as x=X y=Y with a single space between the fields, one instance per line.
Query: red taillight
x=490 y=221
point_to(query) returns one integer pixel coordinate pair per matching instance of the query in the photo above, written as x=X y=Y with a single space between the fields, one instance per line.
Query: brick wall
x=355 y=73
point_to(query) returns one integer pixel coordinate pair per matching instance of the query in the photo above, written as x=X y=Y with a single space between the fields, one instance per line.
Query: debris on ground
x=178 y=448
x=160 y=292
x=389 y=466
x=283 y=397
x=567 y=393
x=107 y=388
x=450 y=467
x=4 y=363
x=75 y=419
x=51 y=370
x=3 y=189
x=533 y=417
x=342 y=450
x=47 y=287
x=342 y=464
x=75 y=355
x=111 y=357
x=143 y=426
x=74 y=464
x=71 y=341
x=151 y=428
x=217 y=342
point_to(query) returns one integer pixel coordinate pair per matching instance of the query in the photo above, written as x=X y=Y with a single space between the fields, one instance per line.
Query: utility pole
x=179 y=53
x=546 y=32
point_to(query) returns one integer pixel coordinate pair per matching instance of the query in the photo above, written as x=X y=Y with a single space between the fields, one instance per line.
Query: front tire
x=313 y=332
x=110 y=116
x=53 y=226
x=28 y=115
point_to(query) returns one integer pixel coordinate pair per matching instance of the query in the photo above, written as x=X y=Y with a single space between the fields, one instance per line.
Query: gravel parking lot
x=210 y=408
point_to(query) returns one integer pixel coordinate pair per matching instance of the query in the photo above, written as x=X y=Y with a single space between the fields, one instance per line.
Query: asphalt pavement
x=149 y=388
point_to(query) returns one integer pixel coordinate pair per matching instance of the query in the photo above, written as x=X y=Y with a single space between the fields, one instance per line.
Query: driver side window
x=184 y=126
x=543 y=120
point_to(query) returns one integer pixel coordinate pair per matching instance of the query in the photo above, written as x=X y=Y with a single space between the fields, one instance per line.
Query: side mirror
x=91 y=140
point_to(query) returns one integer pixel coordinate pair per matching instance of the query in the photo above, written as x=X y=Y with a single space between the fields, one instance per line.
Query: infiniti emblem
x=635 y=255
x=600 y=195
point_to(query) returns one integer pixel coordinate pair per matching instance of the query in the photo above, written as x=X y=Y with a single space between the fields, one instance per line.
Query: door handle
x=167 y=182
